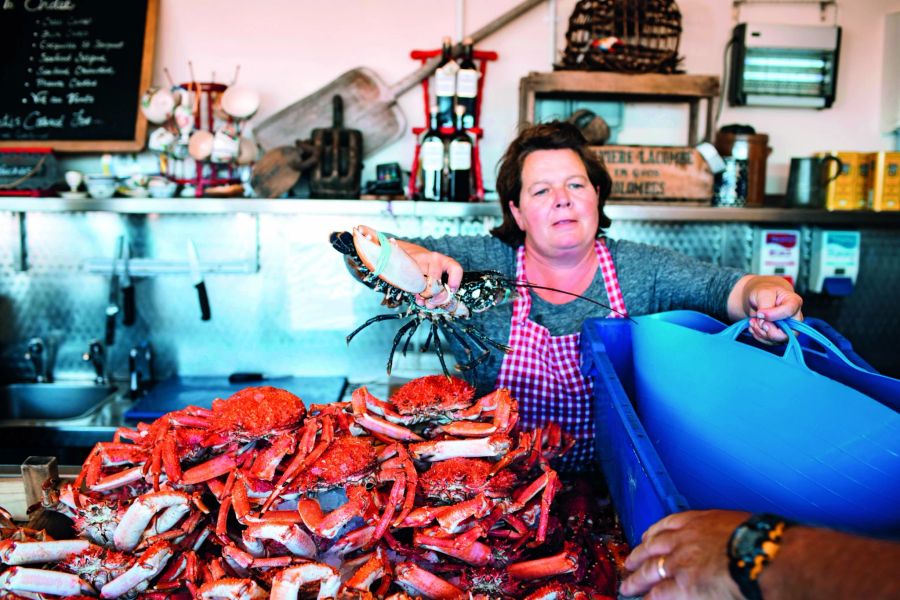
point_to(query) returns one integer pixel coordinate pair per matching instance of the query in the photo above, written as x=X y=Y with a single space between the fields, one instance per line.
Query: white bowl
x=163 y=189
x=101 y=189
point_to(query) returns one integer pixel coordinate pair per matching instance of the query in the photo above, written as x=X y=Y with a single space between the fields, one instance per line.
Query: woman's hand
x=684 y=556
x=765 y=299
x=434 y=265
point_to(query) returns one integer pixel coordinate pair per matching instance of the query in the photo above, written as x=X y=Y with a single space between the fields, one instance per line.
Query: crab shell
x=258 y=411
x=347 y=460
x=459 y=479
x=433 y=394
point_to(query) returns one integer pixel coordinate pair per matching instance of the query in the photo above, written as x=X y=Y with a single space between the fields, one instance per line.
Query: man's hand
x=684 y=556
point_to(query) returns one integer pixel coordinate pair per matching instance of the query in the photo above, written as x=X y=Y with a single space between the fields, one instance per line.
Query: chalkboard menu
x=72 y=73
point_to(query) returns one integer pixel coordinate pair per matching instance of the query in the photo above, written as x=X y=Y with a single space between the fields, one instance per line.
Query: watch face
x=746 y=542
x=749 y=537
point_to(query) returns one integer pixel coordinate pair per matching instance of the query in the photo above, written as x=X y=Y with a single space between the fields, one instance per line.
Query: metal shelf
x=615 y=210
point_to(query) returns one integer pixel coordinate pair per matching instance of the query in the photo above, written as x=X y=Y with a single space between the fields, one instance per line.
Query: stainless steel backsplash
x=282 y=301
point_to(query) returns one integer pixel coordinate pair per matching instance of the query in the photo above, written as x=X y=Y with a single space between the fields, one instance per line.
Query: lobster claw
x=384 y=257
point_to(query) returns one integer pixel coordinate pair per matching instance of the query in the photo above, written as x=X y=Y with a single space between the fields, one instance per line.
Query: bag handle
x=794 y=352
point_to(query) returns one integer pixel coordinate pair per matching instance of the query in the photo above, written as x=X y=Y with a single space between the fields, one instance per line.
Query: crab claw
x=495 y=445
x=288 y=582
x=23 y=579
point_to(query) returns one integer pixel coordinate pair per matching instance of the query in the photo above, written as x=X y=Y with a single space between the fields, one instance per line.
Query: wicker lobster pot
x=629 y=36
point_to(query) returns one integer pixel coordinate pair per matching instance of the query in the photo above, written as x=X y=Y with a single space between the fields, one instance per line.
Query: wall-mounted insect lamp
x=784 y=65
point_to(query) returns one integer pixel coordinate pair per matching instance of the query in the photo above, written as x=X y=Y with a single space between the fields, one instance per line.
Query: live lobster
x=381 y=263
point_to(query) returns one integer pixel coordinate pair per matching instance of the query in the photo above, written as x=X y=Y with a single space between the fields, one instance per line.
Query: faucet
x=140 y=359
x=96 y=354
x=35 y=354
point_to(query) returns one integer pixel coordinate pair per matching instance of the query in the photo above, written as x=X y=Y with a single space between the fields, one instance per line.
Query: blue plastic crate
x=739 y=426
x=641 y=489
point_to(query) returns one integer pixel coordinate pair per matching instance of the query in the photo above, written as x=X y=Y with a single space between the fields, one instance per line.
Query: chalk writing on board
x=77 y=68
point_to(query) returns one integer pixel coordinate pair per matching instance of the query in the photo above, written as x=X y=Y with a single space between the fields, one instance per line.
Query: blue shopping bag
x=739 y=427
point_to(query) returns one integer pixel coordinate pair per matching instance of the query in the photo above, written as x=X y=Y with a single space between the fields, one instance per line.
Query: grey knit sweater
x=652 y=280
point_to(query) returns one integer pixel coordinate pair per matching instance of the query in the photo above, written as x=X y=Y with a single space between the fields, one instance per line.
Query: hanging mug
x=808 y=180
x=157 y=105
x=161 y=140
x=226 y=144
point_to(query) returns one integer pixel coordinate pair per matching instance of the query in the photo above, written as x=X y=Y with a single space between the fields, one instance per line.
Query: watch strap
x=753 y=545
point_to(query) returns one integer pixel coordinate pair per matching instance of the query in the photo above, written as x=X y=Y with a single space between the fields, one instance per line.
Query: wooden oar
x=369 y=105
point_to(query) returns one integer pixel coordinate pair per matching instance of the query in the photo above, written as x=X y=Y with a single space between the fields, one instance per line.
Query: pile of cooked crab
x=431 y=493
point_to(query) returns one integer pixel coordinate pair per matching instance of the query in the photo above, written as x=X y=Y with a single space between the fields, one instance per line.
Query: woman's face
x=558 y=208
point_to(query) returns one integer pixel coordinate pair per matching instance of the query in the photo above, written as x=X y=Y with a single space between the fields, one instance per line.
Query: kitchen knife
x=197 y=276
x=112 y=306
x=128 y=307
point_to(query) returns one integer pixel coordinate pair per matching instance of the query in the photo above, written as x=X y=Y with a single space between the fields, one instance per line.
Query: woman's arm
x=811 y=563
x=767 y=298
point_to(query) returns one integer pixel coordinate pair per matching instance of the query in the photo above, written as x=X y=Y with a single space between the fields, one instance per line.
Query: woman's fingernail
x=765 y=328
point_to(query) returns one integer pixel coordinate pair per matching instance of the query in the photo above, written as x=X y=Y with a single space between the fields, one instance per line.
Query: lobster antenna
x=534 y=286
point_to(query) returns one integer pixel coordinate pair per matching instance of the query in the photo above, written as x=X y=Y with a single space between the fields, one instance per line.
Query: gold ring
x=661 y=568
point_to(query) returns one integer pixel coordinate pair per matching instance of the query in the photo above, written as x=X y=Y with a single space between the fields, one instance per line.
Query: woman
x=552 y=192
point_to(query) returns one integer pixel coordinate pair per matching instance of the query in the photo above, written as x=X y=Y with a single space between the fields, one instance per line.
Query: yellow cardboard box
x=886 y=181
x=849 y=191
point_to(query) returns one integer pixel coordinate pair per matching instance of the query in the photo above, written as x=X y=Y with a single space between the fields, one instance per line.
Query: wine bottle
x=445 y=85
x=431 y=162
x=459 y=159
x=467 y=84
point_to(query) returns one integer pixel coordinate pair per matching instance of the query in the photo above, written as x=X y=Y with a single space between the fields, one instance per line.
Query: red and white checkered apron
x=543 y=372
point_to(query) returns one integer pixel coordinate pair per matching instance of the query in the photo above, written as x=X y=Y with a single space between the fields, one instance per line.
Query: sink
x=48 y=401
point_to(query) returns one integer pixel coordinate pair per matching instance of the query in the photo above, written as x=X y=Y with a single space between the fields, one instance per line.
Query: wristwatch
x=752 y=546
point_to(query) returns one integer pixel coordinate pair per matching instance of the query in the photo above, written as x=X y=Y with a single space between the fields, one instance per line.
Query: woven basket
x=630 y=36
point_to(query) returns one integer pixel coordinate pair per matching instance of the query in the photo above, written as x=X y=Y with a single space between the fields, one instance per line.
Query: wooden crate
x=647 y=87
x=657 y=173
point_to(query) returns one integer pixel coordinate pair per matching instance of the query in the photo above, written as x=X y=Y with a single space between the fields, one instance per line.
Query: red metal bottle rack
x=207 y=174
x=483 y=57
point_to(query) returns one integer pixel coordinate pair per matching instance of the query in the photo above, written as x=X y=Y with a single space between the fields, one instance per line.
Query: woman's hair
x=555 y=135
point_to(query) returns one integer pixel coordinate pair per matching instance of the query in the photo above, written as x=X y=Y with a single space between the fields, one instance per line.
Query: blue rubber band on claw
x=383 y=256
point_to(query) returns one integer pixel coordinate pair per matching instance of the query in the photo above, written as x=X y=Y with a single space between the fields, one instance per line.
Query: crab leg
x=494 y=445
x=375 y=568
x=286 y=585
x=558 y=564
x=245 y=589
x=504 y=419
x=449 y=517
x=216 y=467
x=474 y=553
x=13 y=552
x=290 y=535
x=377 y=424
x=23 y=579
x=118 y=480
x=327 y=526
x=419 y=581
x=549 y=483
x=137 y=517
x=148 y=566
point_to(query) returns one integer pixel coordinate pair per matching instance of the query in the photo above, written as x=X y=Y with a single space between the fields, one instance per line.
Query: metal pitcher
x=809 y=178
